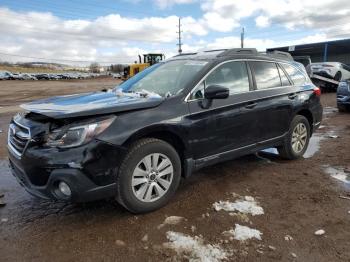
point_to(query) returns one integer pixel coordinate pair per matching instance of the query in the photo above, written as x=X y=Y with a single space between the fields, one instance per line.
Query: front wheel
x=338 y=76
x=297 y=139
x=342 y=108
x=148 y=176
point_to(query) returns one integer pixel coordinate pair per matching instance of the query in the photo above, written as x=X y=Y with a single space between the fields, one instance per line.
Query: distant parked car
x=333 y=70
x=42 y=76
x=26 y=76
x=343 y=96
x=16 y=76
x=4 y=75
x=117 y=75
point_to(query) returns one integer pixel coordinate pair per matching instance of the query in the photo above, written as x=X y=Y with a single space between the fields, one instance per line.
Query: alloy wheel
x=152 y=177
x=299 y=137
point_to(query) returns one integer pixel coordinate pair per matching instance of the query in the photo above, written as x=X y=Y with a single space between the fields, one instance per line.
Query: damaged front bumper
x=89 y=171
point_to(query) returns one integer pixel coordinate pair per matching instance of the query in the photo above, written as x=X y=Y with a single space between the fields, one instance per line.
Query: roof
x=234 y=53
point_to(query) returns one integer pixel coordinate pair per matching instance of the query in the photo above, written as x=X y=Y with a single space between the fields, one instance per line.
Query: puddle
x=312 y=149
x=272 y=151
x=314 y=145
x=338 y=173
x=329 y=110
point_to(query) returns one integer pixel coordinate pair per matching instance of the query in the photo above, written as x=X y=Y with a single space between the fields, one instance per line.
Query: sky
x=109 y=31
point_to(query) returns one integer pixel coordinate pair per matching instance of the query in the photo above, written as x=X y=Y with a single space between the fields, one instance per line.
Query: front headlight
x=77 y=135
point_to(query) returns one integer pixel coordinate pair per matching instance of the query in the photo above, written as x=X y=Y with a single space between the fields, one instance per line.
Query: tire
x=338 y=76
x=342 y=109
x=287 y=150
x=136 y=184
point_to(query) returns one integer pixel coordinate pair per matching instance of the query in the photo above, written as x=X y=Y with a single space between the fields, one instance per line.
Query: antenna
x=242 y=38
x=179 y=37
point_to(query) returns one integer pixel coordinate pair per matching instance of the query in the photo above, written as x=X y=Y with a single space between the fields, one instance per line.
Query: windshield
x=165 y=79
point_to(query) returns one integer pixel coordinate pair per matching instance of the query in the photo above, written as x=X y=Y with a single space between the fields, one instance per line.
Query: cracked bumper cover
x=89 y=171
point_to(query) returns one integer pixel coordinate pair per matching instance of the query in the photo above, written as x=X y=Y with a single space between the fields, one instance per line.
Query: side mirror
x=216 y=92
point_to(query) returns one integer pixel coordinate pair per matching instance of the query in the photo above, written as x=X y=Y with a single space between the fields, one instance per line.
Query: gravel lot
x=298 y=198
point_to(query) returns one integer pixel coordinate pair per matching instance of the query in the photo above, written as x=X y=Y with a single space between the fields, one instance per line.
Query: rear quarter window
x=284 y=78
x=295 y=74
x=266 y=74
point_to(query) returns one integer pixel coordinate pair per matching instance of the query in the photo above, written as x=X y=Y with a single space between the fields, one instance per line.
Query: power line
x=269 y=33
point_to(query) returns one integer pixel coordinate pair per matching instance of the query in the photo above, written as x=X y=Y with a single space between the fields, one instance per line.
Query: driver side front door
x=223 y=125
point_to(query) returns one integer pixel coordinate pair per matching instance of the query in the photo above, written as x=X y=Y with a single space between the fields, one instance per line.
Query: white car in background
x=333 y=70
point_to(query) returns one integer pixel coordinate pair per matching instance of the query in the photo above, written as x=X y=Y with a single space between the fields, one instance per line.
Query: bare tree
x=95 y=67
x=117 y=68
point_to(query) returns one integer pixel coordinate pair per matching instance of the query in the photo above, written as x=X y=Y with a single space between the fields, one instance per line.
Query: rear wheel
x=297 y=139
x=149 y=175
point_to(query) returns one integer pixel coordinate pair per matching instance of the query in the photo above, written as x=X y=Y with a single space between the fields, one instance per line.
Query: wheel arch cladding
x=308 y=115
x=163 y=134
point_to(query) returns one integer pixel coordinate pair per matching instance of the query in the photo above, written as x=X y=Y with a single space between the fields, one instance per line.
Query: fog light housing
x=64 y=189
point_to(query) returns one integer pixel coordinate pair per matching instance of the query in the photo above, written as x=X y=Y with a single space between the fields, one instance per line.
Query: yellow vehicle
x=148 y=60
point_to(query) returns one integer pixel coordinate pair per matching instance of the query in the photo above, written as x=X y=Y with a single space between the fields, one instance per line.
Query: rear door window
x=295 y=74
x=266 y=74
x=284 y=78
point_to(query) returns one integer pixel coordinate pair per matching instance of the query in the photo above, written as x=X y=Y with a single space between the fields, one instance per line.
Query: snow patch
x=338 y=173
x=320 y=232
x=243 y=233
x=288 y=238
x=120 y=243
x=193 y=248
x=172 y=220
x=246 y=206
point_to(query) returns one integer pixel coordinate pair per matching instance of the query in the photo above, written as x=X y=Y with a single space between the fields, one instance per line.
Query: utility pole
x=179 y=37
x=242 y=38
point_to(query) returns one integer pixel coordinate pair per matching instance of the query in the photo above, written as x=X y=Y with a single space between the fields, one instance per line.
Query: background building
x=331 y=51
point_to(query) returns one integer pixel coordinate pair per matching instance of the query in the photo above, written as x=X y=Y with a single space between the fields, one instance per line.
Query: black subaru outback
x=136 y=141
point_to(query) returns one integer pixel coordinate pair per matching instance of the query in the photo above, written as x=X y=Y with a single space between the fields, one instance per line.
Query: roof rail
x=280 y=55
x=184 y=54
x=215 y=50
x=239 y=51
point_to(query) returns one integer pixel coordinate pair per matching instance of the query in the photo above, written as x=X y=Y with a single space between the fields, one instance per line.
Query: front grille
x=18 y=138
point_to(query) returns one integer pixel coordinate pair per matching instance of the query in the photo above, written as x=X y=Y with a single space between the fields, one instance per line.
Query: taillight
x=317 y=91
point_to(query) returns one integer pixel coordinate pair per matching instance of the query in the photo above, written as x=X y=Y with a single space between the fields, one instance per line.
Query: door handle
x=292 y=96
x=251 y=105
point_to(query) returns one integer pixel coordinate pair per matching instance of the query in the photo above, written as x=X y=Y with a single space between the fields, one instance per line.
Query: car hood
x=88 y=104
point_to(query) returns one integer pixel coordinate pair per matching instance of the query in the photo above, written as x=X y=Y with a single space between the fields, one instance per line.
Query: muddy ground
x=298 y=198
